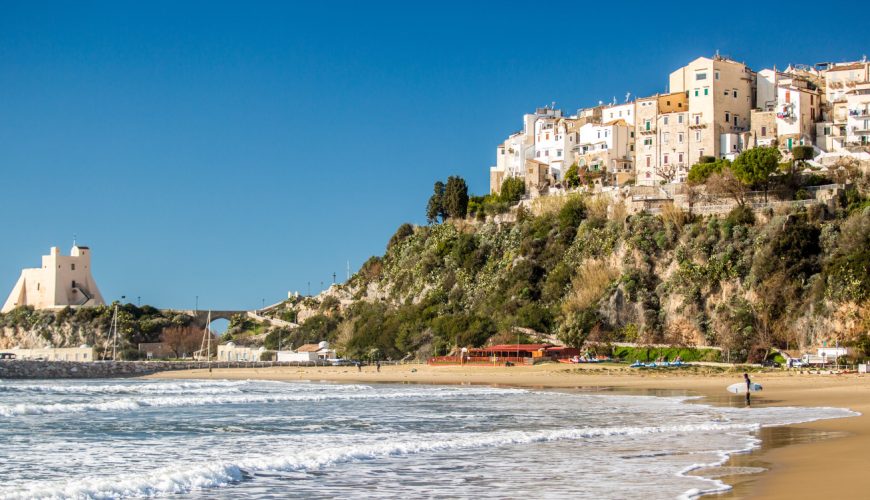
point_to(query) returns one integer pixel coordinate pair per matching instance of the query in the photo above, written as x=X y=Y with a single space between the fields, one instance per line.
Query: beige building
x=793 y=101
x=81 y=354
x=61 y=281
x=232 y=352
x=720 y=93
x=664 y=139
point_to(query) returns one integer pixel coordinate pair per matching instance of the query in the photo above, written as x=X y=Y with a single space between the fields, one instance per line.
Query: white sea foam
x=184 y=478
x=166 y=388
x=128 y=404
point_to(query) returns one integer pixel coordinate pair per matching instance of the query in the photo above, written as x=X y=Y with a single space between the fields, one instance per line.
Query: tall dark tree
x=435 y=207
x=456 y=197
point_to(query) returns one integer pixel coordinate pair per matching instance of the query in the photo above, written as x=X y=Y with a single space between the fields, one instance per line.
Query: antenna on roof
x=553 y=105
x=74 y=239
x=717 y=54
x=627 y=96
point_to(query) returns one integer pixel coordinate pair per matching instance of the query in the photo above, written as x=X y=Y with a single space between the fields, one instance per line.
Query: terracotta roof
x=308 y=348
x=847 y=67
x=515 y=347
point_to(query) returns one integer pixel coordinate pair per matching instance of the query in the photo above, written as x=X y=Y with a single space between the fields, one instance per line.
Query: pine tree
x=456 y=197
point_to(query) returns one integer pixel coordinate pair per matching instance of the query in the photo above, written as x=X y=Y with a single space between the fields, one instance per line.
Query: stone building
x=61 y=281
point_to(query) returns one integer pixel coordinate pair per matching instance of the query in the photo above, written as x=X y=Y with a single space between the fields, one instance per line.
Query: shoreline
x=798 y=460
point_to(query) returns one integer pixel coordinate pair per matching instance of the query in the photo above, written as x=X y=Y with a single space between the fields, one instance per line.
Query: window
x=647 y=123
x=37 y=286
x=665 y=137
x=717 y=75
x=73 y=283
x=665 y=120
x=632 y=134
x=679 y=118
x=537 y=154
x=647 y=162
x=696 y=92
x=547 y=153
x=735 y=94
x=680 y=158
x=680 y=137
x=700 y=76
x=763 y=131
x=72 y=267
x=697 y=136
x=735 y=120
x=706 y=90
x=726 y=92
x=727 y=117
x=559 y=152
x=827 y=130
x=666 y=159
x=548 y=137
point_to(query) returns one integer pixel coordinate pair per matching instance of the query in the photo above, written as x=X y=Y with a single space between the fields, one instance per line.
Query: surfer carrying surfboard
x=748 y=387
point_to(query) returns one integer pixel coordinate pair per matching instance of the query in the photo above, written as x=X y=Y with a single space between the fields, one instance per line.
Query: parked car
x=7 y=355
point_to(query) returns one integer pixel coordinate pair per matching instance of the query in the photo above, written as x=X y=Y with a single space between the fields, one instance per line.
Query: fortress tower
x=61 y=281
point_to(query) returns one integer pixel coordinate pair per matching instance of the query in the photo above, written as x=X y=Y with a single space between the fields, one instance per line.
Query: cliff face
x=28 y=328
x=578 y=268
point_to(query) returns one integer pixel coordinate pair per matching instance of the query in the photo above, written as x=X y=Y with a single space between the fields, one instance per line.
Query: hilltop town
x=731 y=213
x=714 y=108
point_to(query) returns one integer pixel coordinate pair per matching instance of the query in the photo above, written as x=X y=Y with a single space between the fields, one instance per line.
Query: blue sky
x=236 y=151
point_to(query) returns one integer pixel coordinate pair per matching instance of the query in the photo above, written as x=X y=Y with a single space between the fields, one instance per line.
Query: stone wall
x=24 y=369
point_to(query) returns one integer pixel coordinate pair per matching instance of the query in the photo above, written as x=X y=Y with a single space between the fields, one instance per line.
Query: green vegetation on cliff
x=27 y=328
x=579 y=269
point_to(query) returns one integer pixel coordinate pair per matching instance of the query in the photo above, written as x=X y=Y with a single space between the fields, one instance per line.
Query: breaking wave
x=201 y=476
x=130 y=404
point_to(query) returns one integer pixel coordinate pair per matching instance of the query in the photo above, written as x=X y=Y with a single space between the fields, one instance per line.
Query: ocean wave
x=186 y=478
x=129 y=404
x=215 y=387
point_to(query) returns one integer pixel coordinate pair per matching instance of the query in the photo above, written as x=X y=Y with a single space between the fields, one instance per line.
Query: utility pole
x=348 y=270
x=333 y=277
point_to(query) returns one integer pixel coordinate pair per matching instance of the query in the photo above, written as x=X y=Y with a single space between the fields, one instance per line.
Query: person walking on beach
x=748 y=388
x=358 y=366
x=379 y=366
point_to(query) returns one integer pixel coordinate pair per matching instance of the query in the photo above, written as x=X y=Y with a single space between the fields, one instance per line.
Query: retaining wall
x=26 y=369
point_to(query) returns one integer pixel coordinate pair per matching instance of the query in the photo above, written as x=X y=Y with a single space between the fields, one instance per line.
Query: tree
x=725 y=183
x=435 y=207
x=754 y=166
x=701 y=171
x=182 y=340
x=667 y=172
x=572 y=176
x=512 y=190
x=455 y=200
x=404 y=231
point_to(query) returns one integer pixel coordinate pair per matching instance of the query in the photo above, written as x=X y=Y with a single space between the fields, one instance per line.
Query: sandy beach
x=828 y=457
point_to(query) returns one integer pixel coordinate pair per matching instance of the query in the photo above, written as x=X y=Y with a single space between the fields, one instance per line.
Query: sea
x=259 y=439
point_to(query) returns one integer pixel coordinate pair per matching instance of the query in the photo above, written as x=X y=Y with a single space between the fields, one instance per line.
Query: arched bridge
x=200 y=317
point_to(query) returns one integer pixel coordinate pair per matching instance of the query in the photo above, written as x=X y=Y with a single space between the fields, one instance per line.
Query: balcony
x=859 y=113
x=697 y=125
x=645 y=131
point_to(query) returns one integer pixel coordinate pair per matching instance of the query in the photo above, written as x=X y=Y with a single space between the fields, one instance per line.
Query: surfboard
x=740 y=387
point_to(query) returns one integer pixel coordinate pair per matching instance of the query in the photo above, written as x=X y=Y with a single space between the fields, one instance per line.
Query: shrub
x=512 y=190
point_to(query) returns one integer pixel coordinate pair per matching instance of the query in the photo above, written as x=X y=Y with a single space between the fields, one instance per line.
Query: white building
x=614 y=112
x=512 y=154
x=858 y=119
x=308 y=353
x=232 y=352
x=61 y=281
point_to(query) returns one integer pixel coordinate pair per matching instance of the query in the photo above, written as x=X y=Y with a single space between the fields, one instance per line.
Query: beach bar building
x=514 y=353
